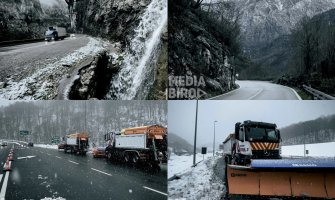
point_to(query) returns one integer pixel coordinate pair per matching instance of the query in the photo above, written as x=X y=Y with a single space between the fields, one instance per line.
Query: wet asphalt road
x=259 y=90
x=52 y=173
x=20 y=61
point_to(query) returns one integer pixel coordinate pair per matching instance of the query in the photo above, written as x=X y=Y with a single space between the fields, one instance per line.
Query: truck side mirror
x=237 y=131
x=278 y=133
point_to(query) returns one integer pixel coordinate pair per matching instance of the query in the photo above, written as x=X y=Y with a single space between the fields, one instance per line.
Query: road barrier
x=7 y=166
x=318 y=94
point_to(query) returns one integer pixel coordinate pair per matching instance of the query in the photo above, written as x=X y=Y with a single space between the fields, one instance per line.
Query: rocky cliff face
x=28 y=19
x=138 y=26
x=265 y=20
x=115 y=20
x=198 y=51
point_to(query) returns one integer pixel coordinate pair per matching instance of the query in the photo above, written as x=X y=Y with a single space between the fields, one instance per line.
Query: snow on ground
x=197 y=182
x=43 y=83
x=181 y=164
x=314 y=150
x=47 y=146
x=53 y=198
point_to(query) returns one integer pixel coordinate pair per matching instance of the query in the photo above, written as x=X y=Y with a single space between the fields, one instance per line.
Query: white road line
x=58 y=157
x=101 y=172
x=74 y=162
x=222 y=95
x=155 y=190
x=4 y=187
x=250 y=98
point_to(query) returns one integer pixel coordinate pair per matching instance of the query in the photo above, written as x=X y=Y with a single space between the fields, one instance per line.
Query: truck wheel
x=109 y=156
x=126 y=157
x=135 y=158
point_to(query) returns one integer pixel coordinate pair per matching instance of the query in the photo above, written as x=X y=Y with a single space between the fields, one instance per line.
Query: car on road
x=61 y=146
x=4 y=144
x=30 y=144
x=99 y=152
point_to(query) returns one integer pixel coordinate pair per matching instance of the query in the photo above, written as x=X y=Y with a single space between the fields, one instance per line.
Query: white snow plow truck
x=146 y=144
x=254 y=168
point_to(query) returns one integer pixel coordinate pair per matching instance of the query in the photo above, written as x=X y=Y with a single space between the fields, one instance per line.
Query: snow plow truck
x=146 y=144
x=255 y=169
x=76 y=143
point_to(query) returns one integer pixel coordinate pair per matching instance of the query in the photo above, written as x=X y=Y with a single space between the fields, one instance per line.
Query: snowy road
x=54 y=174
x=22 y=60
x=259 y=90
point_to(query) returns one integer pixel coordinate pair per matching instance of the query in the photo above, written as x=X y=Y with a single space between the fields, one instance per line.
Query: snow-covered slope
x=264 y=20
x=195 y=183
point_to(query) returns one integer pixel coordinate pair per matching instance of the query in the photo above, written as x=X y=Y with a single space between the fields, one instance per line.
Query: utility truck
x=55 y=33
x=76 y=143
x=146 y=144
x=254 y=167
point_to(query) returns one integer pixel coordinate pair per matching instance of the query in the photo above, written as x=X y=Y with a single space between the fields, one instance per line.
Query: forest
x=47 y=119
x=314 y=131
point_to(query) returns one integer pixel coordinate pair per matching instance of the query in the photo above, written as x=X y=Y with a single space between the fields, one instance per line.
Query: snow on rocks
x=53 y=198
x=43 y=83
x=197 y=182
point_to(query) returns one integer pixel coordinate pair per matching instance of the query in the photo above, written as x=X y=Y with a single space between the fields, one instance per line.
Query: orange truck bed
x=154 y=131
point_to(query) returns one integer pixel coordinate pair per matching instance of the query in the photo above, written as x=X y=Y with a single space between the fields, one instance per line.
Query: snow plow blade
x=283 y=178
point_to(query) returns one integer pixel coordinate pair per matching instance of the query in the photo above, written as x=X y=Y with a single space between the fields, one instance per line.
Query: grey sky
x=181 y=116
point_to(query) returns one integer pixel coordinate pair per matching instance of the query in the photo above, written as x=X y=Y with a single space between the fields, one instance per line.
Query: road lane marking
x=155 y=190
x=101 y=172
x=250 y=98
x=4 y=187
x=19 y=158
x=58 y=157
x=74 y=162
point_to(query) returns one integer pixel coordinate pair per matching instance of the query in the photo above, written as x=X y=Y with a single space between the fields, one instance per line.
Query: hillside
x=179 y=145
x=313 y=131
x=23 y=19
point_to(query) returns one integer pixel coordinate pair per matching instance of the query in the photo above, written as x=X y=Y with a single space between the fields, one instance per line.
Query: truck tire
x=126 y=157
x=109 y=156
x=135 y=158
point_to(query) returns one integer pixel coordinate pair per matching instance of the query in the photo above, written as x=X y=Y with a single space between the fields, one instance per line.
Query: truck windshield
x=261 y=134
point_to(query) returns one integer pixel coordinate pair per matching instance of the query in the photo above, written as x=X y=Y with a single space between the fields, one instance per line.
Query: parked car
x=61 y=146
x=30 y=144
x=99 y=152
x=4 y=144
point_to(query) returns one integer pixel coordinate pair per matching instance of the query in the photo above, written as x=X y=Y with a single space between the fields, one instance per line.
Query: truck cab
x=255 y=140
x=55 y=33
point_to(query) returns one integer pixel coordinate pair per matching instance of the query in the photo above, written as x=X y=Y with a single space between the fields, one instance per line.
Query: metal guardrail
x=318 y=94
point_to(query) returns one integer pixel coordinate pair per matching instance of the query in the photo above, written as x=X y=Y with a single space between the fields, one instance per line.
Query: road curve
x=259 y=90
x=20 y=61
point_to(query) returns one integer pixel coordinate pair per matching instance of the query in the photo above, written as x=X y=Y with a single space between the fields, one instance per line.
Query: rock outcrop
x=197 y=52
x=114 y=20
x=28 y=19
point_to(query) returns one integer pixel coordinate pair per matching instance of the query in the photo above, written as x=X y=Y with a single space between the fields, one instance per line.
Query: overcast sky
x=181 y=116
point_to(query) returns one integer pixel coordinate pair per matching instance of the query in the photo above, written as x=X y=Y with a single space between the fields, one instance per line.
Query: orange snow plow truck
x=146 y=144
x=254 y=168
x=76 y=143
